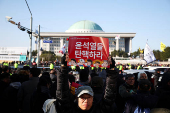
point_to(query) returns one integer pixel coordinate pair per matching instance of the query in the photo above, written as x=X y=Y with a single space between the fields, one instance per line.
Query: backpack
x=142 y=110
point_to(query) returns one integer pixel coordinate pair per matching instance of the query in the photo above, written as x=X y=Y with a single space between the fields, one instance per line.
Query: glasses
x=84 y=98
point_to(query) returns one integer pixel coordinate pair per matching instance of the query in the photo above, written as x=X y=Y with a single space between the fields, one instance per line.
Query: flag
x=139 y=49
x=162 y=46
x=36 y=32
x=117 y=37
x=148 y=54
x=62 y=50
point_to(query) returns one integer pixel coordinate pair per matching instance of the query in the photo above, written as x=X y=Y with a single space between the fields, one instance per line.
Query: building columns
x=130 y=45
x=117 y=44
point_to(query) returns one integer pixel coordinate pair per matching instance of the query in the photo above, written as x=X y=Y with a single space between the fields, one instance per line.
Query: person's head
x=158 y=71
x=84 y=73
x=144 y=85
x=54 y=72
x=97 y=82
x=142 y=75
x=130 y=79
x=34 y=72
x=166 y=80
x=27 y=68
x=43 y=81
x=73 y=62
x=15 y=78
x=5 y=69
x=5 y=77
x=105 y=63
x=85 y=97
x=89 y=62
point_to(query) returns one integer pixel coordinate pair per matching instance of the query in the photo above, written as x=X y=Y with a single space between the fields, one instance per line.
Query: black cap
x=144 y=84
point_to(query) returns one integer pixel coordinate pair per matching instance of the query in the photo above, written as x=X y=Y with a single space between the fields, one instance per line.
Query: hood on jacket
x=15 y=85
x=49 y=106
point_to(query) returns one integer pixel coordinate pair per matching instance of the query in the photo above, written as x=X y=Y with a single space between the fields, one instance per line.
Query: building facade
x=117 y=41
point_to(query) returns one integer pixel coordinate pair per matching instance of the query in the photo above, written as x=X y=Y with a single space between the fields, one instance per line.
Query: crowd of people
x=99 y=90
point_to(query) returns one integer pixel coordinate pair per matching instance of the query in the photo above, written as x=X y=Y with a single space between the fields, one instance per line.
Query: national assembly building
x=54 y=41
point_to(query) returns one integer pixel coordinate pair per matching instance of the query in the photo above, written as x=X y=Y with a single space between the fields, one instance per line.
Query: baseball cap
x=84 y=89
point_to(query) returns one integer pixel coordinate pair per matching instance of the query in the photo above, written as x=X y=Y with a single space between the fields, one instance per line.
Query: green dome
x=85 y=26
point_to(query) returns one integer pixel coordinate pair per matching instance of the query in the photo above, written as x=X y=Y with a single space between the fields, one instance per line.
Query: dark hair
x=15 y=78
x=144 y=85
x=71 y=78
x=0 y=70
x=26 y=68
x=43 y=81
x=5 y=68
x=97 y=82
x=84 y=73
x=4 y=75
x=73 y=59
x=35 y=72
x=129 y=75
x=45 y=74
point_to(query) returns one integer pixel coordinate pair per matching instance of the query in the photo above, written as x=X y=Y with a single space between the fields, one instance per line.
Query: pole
x=38 y=57
x=30 y=53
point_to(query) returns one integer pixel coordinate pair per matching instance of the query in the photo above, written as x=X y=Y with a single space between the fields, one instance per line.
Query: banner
x=82 y=49
x=13 y=50
x=162 y=46
x=13 y=57
x=22 y=58
x=74 y=87
x=62 y=50
x=148 y=54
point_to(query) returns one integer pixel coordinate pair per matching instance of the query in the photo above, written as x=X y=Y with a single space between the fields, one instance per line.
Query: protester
x=9 y=98
x=5 y=69
x=163 y=92
x=41 y=94
x=143 y=100
x=84 y=77
x=97 y=86
x=84 y=95
x=26 y=90
x=141 y=76
x=4 y=82
x=126 y=91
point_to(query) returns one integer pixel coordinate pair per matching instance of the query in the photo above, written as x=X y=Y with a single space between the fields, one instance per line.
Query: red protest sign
x=83 y=48
x=74 y=87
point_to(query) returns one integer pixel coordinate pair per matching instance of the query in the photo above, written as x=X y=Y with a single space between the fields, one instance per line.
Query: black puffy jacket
x=66 y=105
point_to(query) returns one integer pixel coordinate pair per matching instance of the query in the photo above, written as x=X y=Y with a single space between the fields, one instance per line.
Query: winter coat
x=163 y=92
x=141 y=99
x=65 y=105
x=26 y=90
x=126 y=90
x=9 y=98
x=38 y=99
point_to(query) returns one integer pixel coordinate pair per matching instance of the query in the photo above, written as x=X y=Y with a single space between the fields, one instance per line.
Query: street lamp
x=30 y=54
